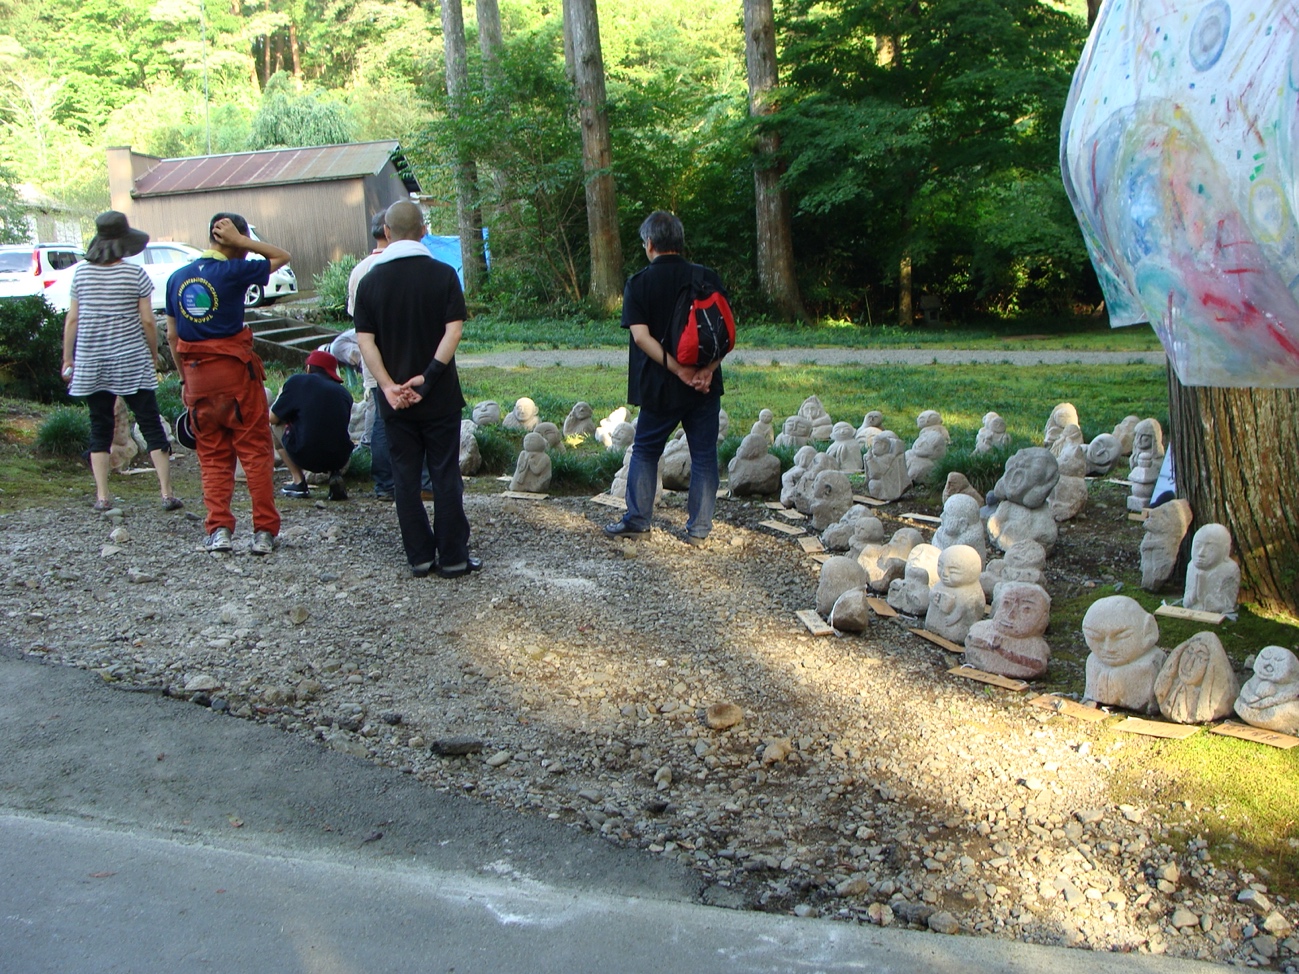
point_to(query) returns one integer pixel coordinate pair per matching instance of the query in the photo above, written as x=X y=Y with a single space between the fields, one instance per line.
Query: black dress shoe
x=423 y=571
x=471 y=564
x=620 y=529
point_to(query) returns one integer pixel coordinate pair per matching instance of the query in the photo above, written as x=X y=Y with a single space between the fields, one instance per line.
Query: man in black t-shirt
x=409 y=315
x=669 y=393
x=314 y=408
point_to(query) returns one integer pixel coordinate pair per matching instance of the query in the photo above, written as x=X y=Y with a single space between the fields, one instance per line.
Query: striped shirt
x=111 y=353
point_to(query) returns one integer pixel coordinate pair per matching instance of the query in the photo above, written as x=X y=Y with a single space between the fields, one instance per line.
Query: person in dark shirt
x=409 y=316
x=314 y=408
x=669 y=393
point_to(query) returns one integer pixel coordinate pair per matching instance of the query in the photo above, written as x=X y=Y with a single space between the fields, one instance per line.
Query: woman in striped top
x=110 y=349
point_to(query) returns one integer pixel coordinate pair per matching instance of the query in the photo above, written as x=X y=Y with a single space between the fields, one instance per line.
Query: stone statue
x=930 y=419
x=1069 y=496
x=829 y=499
x=851 y=612
x=1124 y=660
x=845 y=449
x=524 y=416
x=1030 y=476
x=753 y=470
x=619 y=486
x=1063 y=415
x=1070 y=436
x=887 y=561
x=471 y=458
x=1213 y=578
x=123 y=449
x=790 y=478
x=1024 y=562
x=532 y=471
x=803 y=492
x=1165 y=528
x=992 y=434
x=797 y=432
x=910 y=593
x=961 y=524
x=1147 y=457
x=867 y=529
x=1197 y=683
x=839 y=535
x=765 y=427
x=886 y=467
x=818 y=419
x=930 y=447
x=1102 y=454
x=604 y=431
x=553 y=437
x=487 y=413
x=723 y=424
x=1124 y=433
x=1270 y=698
x=870 y=428
x=580 y=420
x=622 y=436
x=838 y=575
x=1011 y=643
x=958 y=483
x=956 y=601
x=675 y=464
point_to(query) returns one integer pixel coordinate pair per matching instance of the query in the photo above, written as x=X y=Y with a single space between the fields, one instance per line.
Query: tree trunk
x=1093 y=8
x=906 y=310
x=293 y=49
x=1237 y=461
x=469 y=220
x=582 y=31
x=775 y=240
x=491 y=41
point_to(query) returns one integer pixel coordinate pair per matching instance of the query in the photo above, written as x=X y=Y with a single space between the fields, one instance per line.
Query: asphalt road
x=143 y=834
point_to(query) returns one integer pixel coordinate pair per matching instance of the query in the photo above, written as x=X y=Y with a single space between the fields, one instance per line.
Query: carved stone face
x=842 y=432
x=622 y=436
x=997 y=425
x=1022 y=609
x=1194 y=663
x=959 y=513
x=1148 y=437
x=874 y=418
x=581 y=411
x=534 y=443
x=798 y=426
x=1103 y=451
x=929 y=417
x=766 y=416
x=959 y=565
x=1118 y=630
x=1277 y=665
x=487 y=413
x=1029 y=476
x=1210 y=546
x=525 y=408
x=804 y=457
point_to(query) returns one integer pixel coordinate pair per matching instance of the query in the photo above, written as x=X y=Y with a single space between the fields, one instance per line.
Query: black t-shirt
x=406 y=304
x=316 y=411
x=650 y=298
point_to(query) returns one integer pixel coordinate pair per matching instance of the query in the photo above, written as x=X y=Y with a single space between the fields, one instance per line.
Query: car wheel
x=255 y=296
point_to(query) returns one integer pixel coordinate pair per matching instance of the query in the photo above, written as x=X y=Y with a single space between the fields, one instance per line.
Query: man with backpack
x=659 y=305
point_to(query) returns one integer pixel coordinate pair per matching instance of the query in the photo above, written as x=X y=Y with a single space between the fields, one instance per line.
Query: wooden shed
x=315 y=202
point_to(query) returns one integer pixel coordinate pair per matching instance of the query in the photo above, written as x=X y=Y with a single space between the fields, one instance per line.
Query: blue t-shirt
x=206 y=296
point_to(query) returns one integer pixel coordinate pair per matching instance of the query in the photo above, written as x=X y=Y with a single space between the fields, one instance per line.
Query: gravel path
x=863 y=783
x=617 y=357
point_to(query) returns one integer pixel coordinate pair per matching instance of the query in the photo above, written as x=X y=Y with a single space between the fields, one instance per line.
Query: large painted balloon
x=1179 y=148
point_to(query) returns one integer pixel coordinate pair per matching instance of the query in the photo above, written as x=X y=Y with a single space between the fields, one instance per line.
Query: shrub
x=65 y=432
x=727 y=449
x=588 y=470
x=498 y=448
x=31 y=350
x=358 y=468
x=169 y=401
x=331 y=287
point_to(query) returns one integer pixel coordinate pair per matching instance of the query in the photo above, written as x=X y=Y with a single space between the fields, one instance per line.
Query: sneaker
x=337 y=492
x=172 y=503
x=219 y=540
x=695 y=540
x=296 y=490
x=263 y=543
x=101 y=505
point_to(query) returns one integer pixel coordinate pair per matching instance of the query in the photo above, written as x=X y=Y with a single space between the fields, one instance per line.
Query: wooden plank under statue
x=608 y=500
x=923 y=518
x=524 y=495
x=1157 y=728
x=1070 y=708
x=937 y=640
x=1259 y=735
x=815 y=624
x=782 y=527
x=869 y=501
x=810 y=544
x=1190 y=615
x=992 y=679
x=882 y=608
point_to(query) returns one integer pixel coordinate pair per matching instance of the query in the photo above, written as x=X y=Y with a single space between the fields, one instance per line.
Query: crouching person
x=310 y=420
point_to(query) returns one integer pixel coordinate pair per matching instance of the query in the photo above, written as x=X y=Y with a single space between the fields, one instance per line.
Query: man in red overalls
x=222 y=377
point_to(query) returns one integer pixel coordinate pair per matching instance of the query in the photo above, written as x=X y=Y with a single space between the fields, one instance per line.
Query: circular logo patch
x=198 y=299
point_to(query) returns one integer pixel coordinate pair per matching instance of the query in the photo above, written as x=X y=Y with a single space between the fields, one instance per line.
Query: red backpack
x=703 y=328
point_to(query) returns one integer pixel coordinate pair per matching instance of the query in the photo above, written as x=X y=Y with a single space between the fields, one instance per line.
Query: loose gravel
x=573 y=677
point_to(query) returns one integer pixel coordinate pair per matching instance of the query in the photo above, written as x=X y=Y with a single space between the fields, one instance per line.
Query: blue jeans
x=701 y=423
x=380 y=462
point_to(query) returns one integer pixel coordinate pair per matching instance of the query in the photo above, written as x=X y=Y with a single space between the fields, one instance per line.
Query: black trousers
x=143 y=404
x=446 y=540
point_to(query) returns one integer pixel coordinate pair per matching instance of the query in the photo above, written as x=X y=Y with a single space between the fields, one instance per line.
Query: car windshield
x=16 y=260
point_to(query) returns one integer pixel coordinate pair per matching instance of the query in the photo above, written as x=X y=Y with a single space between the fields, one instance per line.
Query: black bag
x=703 y=328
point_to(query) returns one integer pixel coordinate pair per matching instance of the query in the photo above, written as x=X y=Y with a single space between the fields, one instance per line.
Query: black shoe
x=423 y=571
x=695 y=540
x=296 y=490
x=382 y=496
x=472 y=564
x=620 y=529
x=337 y=492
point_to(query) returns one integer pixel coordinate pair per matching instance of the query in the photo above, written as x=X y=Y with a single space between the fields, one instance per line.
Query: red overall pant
x=222 y=386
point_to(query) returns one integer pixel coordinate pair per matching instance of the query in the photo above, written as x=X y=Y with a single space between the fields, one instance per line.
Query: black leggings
x=144 y=407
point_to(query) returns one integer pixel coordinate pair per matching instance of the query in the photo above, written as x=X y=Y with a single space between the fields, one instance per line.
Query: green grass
x=65 y=432
x=485 y=334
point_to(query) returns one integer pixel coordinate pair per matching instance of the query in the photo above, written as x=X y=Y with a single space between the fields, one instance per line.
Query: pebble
x=943 y=922
x=499 y=758
x=1183 y=917
x=721 y=716
x=201 y=682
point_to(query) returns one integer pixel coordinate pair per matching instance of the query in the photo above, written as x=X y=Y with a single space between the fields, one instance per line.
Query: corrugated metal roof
x=269 y=167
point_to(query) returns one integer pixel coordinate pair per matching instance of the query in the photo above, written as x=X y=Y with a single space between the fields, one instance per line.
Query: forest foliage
x=919 y=133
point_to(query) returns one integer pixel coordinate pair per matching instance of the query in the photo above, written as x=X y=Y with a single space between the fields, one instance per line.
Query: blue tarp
x=447 y=250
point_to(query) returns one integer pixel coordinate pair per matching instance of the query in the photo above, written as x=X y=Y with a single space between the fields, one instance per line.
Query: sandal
x=101 y=505
x=172 y=503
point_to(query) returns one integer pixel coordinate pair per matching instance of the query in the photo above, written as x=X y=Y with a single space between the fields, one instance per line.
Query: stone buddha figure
x=553 y=437
x=1124 y=430
x=764 y=426
x=1124 y=661
x=1197 y=684
x=992 y=434
x=1165 y=528
x=580 y=420
x=1023 y=490
x=533 y=470
x=958 y=483
x=1011 y=643
x=1270 y=698
x=929 y=448
x=471 y=458
x=910 y=593
x=1063 y=415
x=830 y=498
x=797 y=432
x=818 y=419
x=1102 y=454
x=961 y=524
x=487 y=413
x=845 y=449
x=886 y=467
x=1213 y=578
x=1147 y=457
x=604 y=431
x=871 y=426
x=753 y=470
x=1024 y=561
x=1069 y=496
x=675 y=465
x=887 y=560
x=956 y=600
x=803 y=489
x=790 y=478
x=524 y=416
